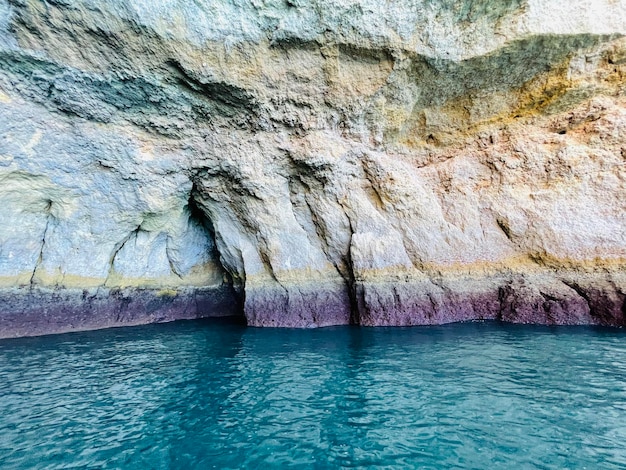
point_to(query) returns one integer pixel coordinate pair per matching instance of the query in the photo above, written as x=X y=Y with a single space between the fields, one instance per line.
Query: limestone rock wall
x=312 y=163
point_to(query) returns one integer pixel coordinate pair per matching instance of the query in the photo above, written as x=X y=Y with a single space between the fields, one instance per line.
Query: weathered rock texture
x=319 y=162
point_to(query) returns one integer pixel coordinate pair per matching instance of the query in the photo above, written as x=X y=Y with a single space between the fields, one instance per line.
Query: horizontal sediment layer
x=569 y=298
x=593 y=298
x=299 y=305
x=39 y=311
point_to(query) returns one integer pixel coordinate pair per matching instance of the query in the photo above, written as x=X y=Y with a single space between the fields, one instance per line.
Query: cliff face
x=314 y=163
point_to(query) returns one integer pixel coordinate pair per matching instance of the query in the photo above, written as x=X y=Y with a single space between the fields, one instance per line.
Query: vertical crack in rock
x=505 y=228
x=268 y=266
x=549 y=302
x=116 y=249
x=49 y=216
x=385 y=207
x=377 y=196
x=355 y=291
x=169 y=259
x=299 y=187
x=505 y=301
x=356 y=306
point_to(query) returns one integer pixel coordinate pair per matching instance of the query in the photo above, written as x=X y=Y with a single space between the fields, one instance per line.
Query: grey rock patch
x=33 y=312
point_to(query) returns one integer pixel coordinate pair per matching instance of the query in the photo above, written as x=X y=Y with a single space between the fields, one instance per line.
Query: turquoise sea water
x=214 y=395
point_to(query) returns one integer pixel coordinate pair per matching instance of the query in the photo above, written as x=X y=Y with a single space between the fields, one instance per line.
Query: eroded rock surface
x=312 y=163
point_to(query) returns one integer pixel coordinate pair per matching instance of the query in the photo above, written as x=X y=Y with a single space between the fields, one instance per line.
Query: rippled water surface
x=214 y=395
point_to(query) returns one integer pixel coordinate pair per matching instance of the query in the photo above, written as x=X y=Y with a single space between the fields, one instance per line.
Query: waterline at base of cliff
x=539 y=299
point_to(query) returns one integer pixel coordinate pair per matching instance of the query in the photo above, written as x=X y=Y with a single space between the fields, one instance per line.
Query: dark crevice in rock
x=302 y=208
x=289 y=43
x=606 y=307
x=581 y=292
x=231 y=280
x=170 y=261
x=356 y=294
x=49 y=216
x=268 y=266
x=372 y=56
x=197 y=215
x=357 y=298
x=549 y=297
x=504 y=226
x=199 y=202
x=231 y=98
x=376 y=194
x=504 y=294
x=116 y=249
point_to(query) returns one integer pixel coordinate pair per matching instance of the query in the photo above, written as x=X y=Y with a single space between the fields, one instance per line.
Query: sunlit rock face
x=311 y=163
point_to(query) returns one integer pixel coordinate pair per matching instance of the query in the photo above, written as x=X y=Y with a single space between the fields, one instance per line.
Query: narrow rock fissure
x=118 y=247
x=355 y=312
x=504 y=227
x=353 y=294
x=170 y=261
x=502 y=301
x=576 y=288
x=43 y=242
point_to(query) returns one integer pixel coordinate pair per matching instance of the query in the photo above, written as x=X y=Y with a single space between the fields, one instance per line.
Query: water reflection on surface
x=206 y=394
